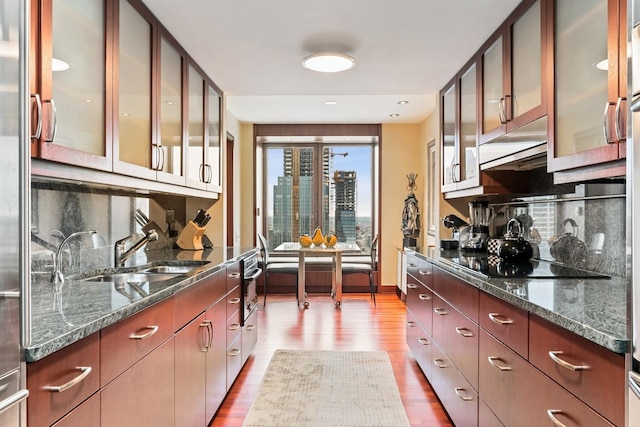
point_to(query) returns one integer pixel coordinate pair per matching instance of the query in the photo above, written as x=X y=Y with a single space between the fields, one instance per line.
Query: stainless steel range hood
x=522 y=149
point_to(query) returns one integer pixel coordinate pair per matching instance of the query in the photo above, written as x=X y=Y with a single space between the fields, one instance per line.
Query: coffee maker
x=480 y=216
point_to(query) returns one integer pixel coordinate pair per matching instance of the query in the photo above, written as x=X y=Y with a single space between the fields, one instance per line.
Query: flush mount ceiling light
x=328 y=62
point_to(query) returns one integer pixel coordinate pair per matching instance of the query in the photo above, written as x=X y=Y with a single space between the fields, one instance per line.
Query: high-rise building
x=345 y=185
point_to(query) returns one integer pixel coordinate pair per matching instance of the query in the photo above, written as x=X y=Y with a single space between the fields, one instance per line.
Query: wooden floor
x=357 y=326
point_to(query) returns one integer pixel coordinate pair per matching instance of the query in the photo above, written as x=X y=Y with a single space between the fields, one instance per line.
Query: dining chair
x=274 y=266
x=369 y=267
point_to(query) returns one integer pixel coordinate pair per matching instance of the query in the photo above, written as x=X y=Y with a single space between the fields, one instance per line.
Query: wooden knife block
x=191 y=237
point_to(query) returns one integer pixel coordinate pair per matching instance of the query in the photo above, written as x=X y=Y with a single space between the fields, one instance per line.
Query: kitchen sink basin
x=134 y=277
x=168 y=269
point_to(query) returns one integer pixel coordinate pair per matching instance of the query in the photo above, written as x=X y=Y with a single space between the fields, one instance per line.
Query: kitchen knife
x=199 y=217
x=207 y=217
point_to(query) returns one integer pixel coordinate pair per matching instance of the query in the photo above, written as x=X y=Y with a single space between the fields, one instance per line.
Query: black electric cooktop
x=494 y=266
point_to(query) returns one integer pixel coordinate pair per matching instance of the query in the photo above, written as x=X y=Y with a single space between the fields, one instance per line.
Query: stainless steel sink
x=133 y=277
x=169 y=269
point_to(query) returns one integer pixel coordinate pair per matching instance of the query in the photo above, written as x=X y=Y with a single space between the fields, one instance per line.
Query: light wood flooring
x=357 y=326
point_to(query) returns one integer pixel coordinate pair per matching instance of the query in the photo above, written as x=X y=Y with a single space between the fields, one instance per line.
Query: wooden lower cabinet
x=249 y=335
x=85 y=415
x=144 y=394
x=215 y=371
x=420 y=344
x=486 y=417
x=190 y=345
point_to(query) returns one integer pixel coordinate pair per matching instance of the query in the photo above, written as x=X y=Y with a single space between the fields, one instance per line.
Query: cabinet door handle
x=38 y=131
x=201 y=172
x=84 y=371
x=423 y=341
x=459 y=391
x=439 y=363
x=492 y=362
x=250 y=327
x=494 y=318
x=424 y=272
x=554 y=356
x=552 y=415
x=210 y=175
x=411 y=324
x=412 y=265
x=152 y=330
x=161 y=157
x=234 y=275
x=501 y=114
x=424 y=297
x=620 y=134
x=234 y=326
x=207 y=344
x=234 y=301
x=464 y=332
x=605 y=124
x=440 y=311
x=54 y=123
x=233 y=352
x=412 y=286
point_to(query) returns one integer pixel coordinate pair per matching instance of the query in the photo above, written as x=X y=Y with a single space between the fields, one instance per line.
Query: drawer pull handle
x=412 y=265
x=234 y=326
x=495 y=319
x=459 y=391
x=250 y=327
x=85 y=370
x=13 y=399
x=440 y=311
x=234 y=275
x=234 y=352
x=492 y=362
x=152 y=331
x=424 y=297
x=412 y=286
x=439 y=363
x=424 y=272
x=554 y=356
x=234 y=301
x=464 y=332
x=423 y=341
x=411 y=324
x=552 y=414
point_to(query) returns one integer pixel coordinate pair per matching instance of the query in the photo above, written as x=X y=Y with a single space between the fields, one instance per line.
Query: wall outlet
x=170 y=216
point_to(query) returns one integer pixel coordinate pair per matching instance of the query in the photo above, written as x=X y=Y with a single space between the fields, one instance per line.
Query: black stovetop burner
x=494 y=266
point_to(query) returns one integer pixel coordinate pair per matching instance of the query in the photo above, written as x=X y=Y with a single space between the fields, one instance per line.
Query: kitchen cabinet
x=513 y=72
x=216 y=359
x=460 y=168
x=71 y=57
x=60 y=382
x=590 y=68
x=144 y=394
x=87 y=414
x=419 y=342
x=191 y=344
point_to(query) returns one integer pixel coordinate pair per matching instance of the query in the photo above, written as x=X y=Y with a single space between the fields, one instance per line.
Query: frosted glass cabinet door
x=492 y=88
x=449 y=145
x=134 y=84
x=73 y=60
x=213 y=159
x=171 y=125
x=526 y=74
x=195 y=141
x=469 y=129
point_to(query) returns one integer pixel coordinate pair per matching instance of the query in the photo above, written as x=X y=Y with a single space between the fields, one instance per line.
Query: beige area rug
x=328 y=388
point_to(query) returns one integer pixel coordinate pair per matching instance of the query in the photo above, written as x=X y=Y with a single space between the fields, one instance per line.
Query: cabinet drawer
x=458 y=293
x=486 y=418
x=420 y=302
x=591 y=372
x=507 y=323
x=233 y=328
x=85 y=415
x=74 y=369
x=458 y=397
x=420 y=269
x=233 y=276
x=195 y=299
x=249 y=335
x=457 y=336
x=234 y=361
x=126 y=342
x=420 y=344
x=233 y=304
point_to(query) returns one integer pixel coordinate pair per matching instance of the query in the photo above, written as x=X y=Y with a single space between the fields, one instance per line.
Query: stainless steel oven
x=251 y=271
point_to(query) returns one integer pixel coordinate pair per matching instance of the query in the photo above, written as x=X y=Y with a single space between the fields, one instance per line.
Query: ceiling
x=404 y=51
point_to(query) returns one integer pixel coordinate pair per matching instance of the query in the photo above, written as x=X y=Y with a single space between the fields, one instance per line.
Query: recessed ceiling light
x=330 y=102
x=328 y=62
x=403 y=102
x=394 y=115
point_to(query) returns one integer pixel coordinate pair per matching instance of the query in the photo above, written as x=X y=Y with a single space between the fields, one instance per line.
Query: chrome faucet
x=57 y=277
x=120 y=256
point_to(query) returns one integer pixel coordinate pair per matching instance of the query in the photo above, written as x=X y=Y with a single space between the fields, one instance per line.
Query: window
x=328 y=184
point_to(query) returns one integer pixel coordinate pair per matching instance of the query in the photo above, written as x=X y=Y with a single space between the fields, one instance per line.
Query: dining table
x=335 y=252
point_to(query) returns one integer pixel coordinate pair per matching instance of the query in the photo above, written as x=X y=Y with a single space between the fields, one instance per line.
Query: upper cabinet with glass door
x=213 y=152
x=460 y=168
x=133 y=80
x=196 y=171
x=513 y=78
x=590 y=87
x=71 y=105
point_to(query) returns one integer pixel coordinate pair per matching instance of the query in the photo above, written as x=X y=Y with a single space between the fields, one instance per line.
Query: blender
x=480 y=216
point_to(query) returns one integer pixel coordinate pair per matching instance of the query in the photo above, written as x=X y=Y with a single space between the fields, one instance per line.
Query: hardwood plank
x=357 y=326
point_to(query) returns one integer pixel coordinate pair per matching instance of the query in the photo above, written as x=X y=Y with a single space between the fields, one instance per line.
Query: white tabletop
x=297 y=247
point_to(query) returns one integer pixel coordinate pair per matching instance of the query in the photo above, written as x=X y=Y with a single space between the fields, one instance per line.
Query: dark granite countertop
x=595 y=309
x=80 y=309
